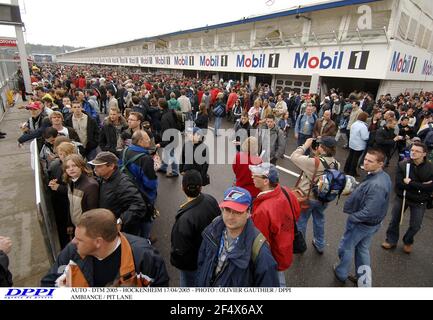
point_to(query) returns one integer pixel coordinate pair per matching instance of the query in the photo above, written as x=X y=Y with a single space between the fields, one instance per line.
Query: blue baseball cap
x=237 y=199
x=266 y=170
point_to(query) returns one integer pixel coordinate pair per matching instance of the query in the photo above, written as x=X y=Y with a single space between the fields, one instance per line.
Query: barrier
x=46 y=215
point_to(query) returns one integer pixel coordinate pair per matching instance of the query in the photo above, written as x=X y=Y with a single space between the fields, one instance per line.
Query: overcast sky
x=91 y=23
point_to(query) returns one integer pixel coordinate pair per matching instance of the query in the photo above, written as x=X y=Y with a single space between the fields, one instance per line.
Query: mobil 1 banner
x=349 y=63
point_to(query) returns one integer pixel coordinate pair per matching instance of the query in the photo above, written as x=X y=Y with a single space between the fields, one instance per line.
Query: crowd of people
x=101 y=132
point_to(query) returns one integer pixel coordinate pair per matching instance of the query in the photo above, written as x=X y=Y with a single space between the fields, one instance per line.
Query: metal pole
x=23 y=55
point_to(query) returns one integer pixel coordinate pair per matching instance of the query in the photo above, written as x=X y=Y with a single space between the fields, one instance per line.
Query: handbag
x=303 y=199
x=299 y=244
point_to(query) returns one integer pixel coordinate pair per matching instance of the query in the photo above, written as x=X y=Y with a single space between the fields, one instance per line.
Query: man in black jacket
x=386 y=139
x=119 y=194
x=191 y=220
x=419 y=189
x=5 y=275
x=170 y=136
x=111 y=133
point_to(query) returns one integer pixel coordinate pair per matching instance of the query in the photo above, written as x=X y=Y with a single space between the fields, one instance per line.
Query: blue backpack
x=331 y=184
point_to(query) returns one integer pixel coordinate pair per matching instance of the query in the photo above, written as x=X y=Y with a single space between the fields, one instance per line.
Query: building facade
x=378 y=46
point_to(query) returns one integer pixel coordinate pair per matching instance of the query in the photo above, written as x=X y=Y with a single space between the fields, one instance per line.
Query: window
x=307 y=84
x=427 y=37
x=298 y=84
x=420 y=35
x=289 y=83
x=412 y=30
x=287 y=89
x=403 y=25
x=280 y=82
x=279 y=88
x=306 y=91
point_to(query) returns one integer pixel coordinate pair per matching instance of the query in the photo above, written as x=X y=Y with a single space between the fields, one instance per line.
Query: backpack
x=429 y=137
x=258 y=243
x=330 y=185
x=219 y=110
x=151 y=212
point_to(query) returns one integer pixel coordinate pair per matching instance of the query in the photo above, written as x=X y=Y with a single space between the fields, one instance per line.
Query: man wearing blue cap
x=233 y=252
x=275 y=211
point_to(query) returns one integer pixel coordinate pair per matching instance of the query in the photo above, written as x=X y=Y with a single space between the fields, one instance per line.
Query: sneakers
x=408 y=249
x=388 y=246
x=319 y=251
x=172 y=175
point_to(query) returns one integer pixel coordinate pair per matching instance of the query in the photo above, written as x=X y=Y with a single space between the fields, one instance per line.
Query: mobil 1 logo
x=358 y=60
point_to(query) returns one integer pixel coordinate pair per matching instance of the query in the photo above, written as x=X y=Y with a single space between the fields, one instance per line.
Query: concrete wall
x=18 y=217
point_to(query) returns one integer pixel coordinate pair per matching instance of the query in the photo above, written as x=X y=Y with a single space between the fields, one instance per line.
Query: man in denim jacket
x=367 y=208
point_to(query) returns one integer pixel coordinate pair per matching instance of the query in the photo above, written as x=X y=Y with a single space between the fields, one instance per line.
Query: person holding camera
x=324 y=149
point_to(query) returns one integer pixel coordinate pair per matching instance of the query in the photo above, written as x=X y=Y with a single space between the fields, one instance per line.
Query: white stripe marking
x=288 y=172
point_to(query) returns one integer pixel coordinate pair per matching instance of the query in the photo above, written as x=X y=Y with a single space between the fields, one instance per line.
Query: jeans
x=282 y=279
x=416 y=217
x=218 y=122
x=357 y=238
x=352 y=162
x=316 y=210
x=302 y=138
x=187 y=279
x=169 y=159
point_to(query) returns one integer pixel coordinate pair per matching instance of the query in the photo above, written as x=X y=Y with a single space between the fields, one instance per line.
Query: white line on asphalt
x=294 y=174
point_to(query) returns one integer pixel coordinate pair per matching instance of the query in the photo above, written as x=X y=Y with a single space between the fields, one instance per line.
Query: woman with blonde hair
x=241 y=166
x=59 y=199
x=83 y=190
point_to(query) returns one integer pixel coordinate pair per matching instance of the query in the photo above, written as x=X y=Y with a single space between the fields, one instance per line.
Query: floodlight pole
x=23 y=54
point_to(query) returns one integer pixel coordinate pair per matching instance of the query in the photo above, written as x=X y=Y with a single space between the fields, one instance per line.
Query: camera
x=315 y=144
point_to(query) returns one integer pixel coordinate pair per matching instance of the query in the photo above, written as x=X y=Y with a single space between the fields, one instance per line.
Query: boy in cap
x=275 y=212
x=230 y=254
x=192 y=218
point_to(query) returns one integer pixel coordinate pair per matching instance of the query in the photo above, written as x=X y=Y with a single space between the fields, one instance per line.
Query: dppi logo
x=30 y=294
x=427 y=70
x=258 y=61
x=324 y=62
x=406 y=64
x=184 y=61
x=214 y=61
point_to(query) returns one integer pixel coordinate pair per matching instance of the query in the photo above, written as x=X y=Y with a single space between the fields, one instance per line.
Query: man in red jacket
x=275 y=212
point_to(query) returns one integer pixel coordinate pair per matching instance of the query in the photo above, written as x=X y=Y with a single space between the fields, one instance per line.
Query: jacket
x=276 y=140
x=385 y=139
x=308 y=166
x=273 y=216
x=330 y=129
x=83 y=196
x=418 y=190
x=138 y=257
x=240 y=270
x=5 y=275
x=120 y=195
x=92 y=132
x=143 y=171
x=202 y=121
x=368 y=204
x=359 y=136
x=168 y=122
x=109 y=136
x=36 y=128
x=191 y=220
x=195 y=157
x=243 y=173
x=301 y=124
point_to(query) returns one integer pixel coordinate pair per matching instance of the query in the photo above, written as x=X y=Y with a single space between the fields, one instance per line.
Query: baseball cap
x=34 y=106
x=329 y=142
x=266 y=169
x=104 y=158
x=237 y=199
